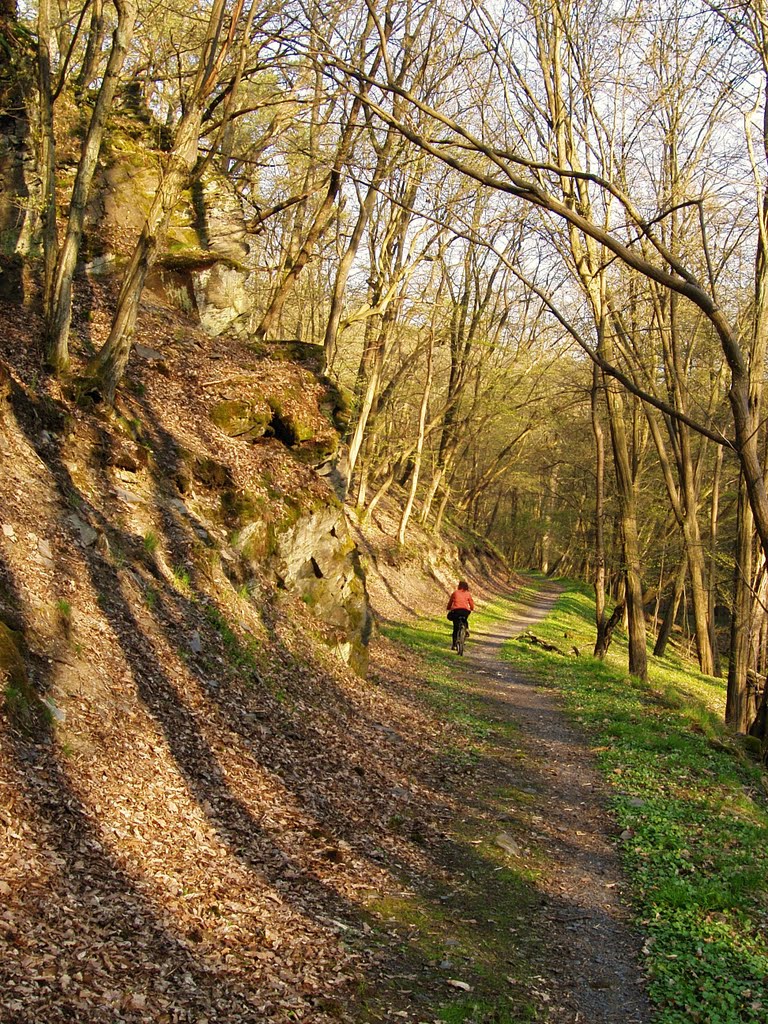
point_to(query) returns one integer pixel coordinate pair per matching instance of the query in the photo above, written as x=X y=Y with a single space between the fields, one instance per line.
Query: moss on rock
x=317 y=450
x=243 y=419
x=288 y=427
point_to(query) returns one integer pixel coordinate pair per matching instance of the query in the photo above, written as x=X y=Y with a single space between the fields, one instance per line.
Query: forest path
x=593 y=972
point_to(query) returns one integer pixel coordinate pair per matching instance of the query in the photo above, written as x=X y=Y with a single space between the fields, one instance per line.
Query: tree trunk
x=437 y=477
x=699 y=593
x=93 y=46
x=376 y=364
x=713 y=524
x=387 y=482
x=441 y=509
x=606 y=633
x=737 y=712
x=419 y=444
x=638 y=658
x=347 y=260
x=601 y=622
x=59 y=311
x=670 y=613
x=47 y=154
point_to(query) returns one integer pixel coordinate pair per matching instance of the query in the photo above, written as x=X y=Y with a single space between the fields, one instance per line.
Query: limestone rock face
x=203 y=271
x=221 y=296
x=318 y=557
x=19 y=191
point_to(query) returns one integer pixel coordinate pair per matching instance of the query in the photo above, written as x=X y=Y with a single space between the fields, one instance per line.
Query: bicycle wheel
x=461 y=637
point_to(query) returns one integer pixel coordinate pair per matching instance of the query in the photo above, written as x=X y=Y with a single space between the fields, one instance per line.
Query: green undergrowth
x=474 y=927
x=691 y=811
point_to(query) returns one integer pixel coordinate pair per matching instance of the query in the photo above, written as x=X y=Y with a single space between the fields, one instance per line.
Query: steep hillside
x=196 y=791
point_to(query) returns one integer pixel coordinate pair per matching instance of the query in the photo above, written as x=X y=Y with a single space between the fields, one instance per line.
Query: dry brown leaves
x=196 y=835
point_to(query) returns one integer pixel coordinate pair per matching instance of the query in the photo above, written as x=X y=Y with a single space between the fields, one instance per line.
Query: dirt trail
x=593 y=974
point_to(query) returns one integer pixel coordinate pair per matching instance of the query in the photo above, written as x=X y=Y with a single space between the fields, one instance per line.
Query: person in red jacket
x=460 y=604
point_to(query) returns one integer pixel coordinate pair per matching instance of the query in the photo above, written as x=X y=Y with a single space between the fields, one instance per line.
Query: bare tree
x=579 y=196
x=228 y=31
x=58 y=306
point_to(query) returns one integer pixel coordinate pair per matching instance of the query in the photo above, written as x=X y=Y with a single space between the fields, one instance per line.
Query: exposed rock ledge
x=317 y=557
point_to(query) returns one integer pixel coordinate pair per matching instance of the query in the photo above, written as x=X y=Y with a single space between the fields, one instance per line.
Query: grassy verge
x=692 y=813
x=473 y=925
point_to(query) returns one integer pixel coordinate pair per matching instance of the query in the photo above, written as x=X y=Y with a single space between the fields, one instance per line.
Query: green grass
x=181 y=578
x=691 y=812
x=242 y=655
x=151 y=542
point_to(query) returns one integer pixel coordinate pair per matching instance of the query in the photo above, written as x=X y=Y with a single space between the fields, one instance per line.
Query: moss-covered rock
x=317 y=557
x=288 y=425
x=256 y=541
x=337 y=406
x=303 y=353
x=244 y=419
x=315 y=451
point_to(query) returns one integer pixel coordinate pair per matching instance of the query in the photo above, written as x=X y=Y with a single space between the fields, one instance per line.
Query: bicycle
x=461 y=636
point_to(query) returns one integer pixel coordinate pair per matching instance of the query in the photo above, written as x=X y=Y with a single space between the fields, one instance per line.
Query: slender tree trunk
x=670 y=612
x=437 y=529
x=385 y=485
x=348 y=259
x=601 y=621
x=659 y=592
x=737 y=712
x=362 y=485
x=420 y=443
x=47 y=155
x=638 y=658
x=757 y=614
x=59 y=312
x=376 y=365
x=699 y=593
x=434 y=484
x=93 y=46
x=713 y=525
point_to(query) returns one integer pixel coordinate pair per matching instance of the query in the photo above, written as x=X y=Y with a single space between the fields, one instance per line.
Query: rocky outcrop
x=203 y=271
x=19 y=183
x=318 y=558
x=315 y=556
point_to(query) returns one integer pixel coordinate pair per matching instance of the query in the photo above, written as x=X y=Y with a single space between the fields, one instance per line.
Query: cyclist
x=460 y=604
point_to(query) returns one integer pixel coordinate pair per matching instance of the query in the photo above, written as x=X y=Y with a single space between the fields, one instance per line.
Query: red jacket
x=461 y=599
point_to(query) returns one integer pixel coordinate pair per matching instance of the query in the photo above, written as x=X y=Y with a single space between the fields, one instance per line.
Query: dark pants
x=457 y=615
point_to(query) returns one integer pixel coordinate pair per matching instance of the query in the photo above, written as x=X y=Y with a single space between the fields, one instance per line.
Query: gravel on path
x=593 y=972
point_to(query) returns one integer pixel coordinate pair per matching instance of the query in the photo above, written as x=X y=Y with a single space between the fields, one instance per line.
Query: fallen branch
x=530 y=638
